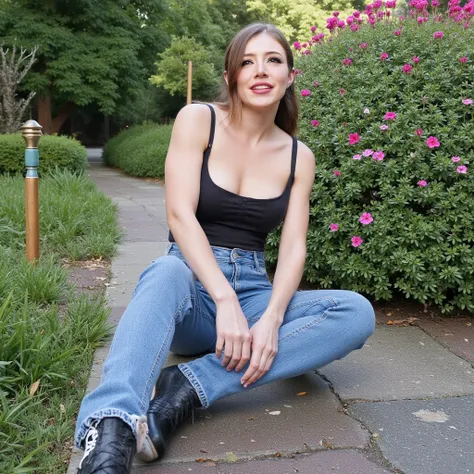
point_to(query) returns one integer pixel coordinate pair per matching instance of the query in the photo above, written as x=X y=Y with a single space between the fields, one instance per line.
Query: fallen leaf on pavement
x=274 y=412
x=301 y=394
x=231 y=457
x=390 y=322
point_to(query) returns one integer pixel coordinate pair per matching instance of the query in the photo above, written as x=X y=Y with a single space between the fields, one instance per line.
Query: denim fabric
x=171 y=310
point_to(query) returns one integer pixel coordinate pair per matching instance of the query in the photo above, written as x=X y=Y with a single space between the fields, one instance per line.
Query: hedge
x=140 y=150
x=54 y=151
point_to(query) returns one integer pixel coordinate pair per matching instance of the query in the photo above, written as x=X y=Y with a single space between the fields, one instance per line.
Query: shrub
x=54 y=152
x=400 y=220
x=140 y=150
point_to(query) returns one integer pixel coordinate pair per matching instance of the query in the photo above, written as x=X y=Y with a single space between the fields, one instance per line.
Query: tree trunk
x=45 y=118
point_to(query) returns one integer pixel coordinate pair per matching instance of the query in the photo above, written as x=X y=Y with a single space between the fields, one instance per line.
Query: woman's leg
x=319 y=327
x=165 y=304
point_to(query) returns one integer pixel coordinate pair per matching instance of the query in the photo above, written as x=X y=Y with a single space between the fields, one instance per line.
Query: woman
x=233 y=173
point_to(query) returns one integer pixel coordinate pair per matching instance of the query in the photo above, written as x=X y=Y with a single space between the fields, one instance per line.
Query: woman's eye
x=276 y=60
x=244 y=63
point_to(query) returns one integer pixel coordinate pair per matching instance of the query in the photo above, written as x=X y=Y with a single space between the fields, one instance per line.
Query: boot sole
x=148 y=452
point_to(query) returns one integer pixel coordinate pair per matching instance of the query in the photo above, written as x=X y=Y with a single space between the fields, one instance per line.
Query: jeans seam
x=172 y=324
x=311 y=303
x=193 y=380
x=310 y=324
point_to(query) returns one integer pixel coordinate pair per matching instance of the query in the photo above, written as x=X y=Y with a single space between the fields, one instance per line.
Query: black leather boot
x=109 y=448
x=174 y=402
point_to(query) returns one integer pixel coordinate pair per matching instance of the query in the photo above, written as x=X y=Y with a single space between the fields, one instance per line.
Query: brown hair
x=287 y=114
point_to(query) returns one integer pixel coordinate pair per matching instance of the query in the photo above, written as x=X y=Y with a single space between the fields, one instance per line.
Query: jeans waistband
x=227 y=255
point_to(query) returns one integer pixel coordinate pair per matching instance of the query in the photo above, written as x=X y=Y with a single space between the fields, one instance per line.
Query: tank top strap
x=294 y=152
x=213 y=127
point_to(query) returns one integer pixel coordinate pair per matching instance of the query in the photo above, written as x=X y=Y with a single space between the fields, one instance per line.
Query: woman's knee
x=168 y=270
x=360 y=313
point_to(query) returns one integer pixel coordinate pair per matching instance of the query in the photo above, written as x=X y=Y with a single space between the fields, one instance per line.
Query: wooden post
x=190 y=82
x=31 y=132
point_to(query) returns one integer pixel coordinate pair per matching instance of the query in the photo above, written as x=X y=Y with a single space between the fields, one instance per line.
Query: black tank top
x=233 y=221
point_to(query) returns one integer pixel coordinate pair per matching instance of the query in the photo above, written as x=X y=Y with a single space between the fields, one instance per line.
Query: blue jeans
x=171 y=310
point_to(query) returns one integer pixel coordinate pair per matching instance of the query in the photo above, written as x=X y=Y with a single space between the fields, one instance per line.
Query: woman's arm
x=291 y=258
x=183 y=166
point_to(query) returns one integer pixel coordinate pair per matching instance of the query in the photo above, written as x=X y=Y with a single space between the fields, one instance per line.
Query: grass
x=48 y=333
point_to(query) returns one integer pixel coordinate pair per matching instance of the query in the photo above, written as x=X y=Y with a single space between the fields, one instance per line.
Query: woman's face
x=264 y=75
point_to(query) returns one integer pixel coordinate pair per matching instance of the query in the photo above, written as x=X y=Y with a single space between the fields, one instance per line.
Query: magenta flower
x=390 y=116
x=419 y=132
x=355 y=27
x=313 y=28
x=334 y=227
x=434 y=3
x=354 y=138
x=315 y=123
x=467 y=101
x=415 y=59
x=356 y=157
x=347 y=61
x=336 y=173
x=342 y=91
x=461 y=169
x=422 y=183
x=384 y=56
x=356 y=241
x=368 y=152
x=363 y=46
x=297 y=45
x=379 y=155
x=397 y=32
x=316 y=84
x=297 y=71
x=383 y=127
x=432 y=142
x=407 y=68
x=463 y=60
x=305 y=92
x=455 y=159
x=438 y=34
x=366 y=218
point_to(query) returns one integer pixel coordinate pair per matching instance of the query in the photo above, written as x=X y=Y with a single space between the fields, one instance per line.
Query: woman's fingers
x=219 y=345
x=246 y=346
x=228 y=349
x=236 y=354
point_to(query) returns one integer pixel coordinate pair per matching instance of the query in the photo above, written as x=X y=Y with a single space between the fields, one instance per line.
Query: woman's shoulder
x=194 y=112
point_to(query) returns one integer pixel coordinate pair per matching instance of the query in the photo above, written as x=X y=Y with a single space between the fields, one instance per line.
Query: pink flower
x=336 y=173
x=366 y=218
x=432 y=142
x=367 y=111
x=461 y=169
x=297 y=45
x=434 y=3
x=467 y=101
x=356 y=157
x=384 y=56
x=354 y=27
x=397 y=32
x=356 y=241
x=305 y=92
x=422 y=183
x=419 y=132
x=297 y=71
x=455 y=159
x=379 y=155
x=334 y=227
x=336 y=14
x=306 y=52
x=415 y=59
x=316 y=84
x=368 y=152
x=342 y=91
x=315 y=123
x=464 y=59
x=363 y=46
x=313 y=29
x=407 y=68
x=354 y=138
x=390 y=116
x=438 y=34
x=383 y=127
x=347 y=61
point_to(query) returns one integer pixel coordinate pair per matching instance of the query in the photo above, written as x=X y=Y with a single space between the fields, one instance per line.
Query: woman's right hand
x=233 y=334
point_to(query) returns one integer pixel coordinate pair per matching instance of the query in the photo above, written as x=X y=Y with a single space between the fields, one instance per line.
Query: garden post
x=31 y=132
x=190 y=82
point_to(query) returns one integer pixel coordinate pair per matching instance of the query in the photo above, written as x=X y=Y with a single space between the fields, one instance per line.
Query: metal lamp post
x=31 y=132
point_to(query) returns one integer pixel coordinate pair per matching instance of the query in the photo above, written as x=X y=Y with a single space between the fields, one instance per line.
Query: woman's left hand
x=264 y=349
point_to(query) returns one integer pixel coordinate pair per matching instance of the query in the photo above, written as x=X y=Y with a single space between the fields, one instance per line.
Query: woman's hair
x=287 y=114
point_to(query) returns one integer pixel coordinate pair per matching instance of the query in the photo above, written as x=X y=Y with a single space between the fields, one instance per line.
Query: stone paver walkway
x=402 y=404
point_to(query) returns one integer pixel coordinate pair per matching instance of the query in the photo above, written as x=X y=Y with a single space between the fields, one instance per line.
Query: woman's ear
x=226 y=79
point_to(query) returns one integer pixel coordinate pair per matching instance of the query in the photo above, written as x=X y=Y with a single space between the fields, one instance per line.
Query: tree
x=90 y=52
x=172 y=68
x=13 y=69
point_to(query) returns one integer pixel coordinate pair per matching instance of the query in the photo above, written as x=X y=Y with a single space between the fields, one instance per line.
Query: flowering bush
x=398 y=217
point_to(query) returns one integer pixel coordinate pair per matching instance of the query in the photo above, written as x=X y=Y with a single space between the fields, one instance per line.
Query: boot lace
x=91 y=441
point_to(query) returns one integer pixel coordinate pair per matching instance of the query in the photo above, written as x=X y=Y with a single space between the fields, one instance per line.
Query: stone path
x=402 y=404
